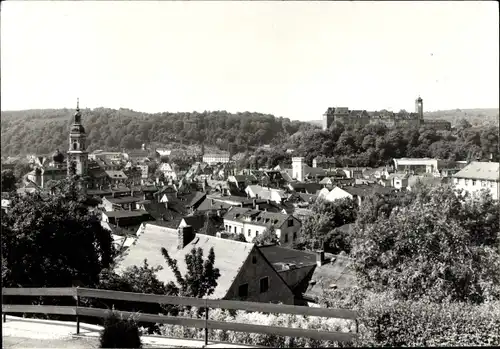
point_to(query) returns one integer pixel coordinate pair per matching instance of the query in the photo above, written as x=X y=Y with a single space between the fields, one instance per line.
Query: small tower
x=298 y=168
x=77 y=153
x=419 y=108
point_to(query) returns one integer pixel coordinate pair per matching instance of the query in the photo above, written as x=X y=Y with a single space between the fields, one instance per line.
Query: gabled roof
x=480 y=170
x=229 y=255
x=116 y=174
x=265 y=193
x=125 y=213
x=123 y=200
x=365 y=190
x=266 y=219
x=340 y=273
x=197 y=198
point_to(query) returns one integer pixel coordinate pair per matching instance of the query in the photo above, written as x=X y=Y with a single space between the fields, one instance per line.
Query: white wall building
x=298 y=168
x=418 y=165
x=252 y=223
x=213 y=159
x=479 y=175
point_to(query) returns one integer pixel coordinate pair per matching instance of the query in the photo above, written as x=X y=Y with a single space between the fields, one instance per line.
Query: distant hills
x=476 y=117
x=42 y=131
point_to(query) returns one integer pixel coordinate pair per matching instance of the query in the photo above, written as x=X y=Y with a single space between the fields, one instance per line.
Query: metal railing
x=206 y=304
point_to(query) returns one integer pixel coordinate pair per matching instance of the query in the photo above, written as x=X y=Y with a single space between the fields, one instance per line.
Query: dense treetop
x=42 y=131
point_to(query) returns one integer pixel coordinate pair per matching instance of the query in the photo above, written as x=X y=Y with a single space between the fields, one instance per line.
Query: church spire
x=78 y=115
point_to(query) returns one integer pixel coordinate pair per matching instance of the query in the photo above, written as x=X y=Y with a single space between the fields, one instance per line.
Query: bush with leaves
x=319 y=230
x=8 y=181
x=268 y=237
x=120 y=333
x=53 y=240
x=385 y=320
x=201 y=277
x=137 y=279
x=440 y=246
x=268 y=340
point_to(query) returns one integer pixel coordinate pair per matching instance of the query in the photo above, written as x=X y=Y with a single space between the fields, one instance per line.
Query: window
x=294 y=235
x=235 y=230
x=74 y=146
x=286 y=237
x=254 y=259
x=243 y=291
x=290 y=222
x=226 y=227
x=249 y=232
x=264 y=284
x=474 y=182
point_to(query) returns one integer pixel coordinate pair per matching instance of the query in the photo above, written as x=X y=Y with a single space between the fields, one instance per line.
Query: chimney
x=184 y=236
x=257 y=207
x=254 y=203
x=320 y=257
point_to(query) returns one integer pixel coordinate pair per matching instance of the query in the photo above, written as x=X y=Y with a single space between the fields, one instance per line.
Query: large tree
x=319 y=230
x=268 y=237
x=440 y=245
x=53 y=241
x=201 y=277
x=8 y=181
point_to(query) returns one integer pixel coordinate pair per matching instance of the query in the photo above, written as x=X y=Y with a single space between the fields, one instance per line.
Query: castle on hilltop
x=385 y=117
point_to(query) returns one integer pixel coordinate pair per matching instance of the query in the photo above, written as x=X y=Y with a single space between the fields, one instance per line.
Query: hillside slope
x=43 y=131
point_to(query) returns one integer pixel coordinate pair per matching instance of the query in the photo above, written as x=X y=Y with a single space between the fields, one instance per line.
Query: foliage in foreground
x=279 y=320
x=438 y=246
x=201 y=277
x=120 y=333
x=387 y=321
x=53 y=240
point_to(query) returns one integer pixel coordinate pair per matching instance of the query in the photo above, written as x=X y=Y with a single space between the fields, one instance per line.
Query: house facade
x=251 y=223
x=245 y=274
x=213 y=159
x=477 y=176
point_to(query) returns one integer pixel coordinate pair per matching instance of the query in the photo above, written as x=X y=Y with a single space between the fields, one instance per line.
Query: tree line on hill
x=377 y=145
x=43 y=131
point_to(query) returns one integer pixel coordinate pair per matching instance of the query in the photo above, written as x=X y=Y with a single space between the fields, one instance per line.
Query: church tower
x=419 y=108
x=77 y=153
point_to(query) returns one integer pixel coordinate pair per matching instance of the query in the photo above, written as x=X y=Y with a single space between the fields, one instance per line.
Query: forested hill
x=43 y=131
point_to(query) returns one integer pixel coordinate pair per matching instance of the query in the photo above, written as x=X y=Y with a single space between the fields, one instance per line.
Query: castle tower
x=419 y=108
x=298 y=168
x=77 y=153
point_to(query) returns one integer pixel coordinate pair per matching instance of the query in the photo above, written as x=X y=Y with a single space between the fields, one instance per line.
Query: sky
x=290 y=59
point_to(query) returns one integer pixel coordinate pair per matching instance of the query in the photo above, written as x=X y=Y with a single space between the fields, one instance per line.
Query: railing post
x=206 y=322
x=3 y=313
x=76 y=311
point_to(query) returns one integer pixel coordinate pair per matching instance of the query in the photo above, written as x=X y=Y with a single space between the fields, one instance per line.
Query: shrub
x=387 y=321
x=120 y=333
x=268 y=340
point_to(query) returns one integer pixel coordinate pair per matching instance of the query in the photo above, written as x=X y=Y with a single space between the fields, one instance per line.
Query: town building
x=245 y=274
x=253 y=222
x=419 y=165
x=479 y=175
x=219 y=158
